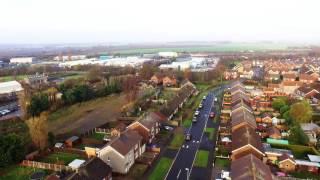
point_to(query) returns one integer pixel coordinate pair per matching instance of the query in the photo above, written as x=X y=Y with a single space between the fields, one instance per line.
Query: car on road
x=194 y=119
x=197 y=113
x=204 y=97
x=188 y=137
x=200 y=106
x=212 y=115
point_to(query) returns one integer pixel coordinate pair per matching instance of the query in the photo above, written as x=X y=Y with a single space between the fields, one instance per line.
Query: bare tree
x=38 y=130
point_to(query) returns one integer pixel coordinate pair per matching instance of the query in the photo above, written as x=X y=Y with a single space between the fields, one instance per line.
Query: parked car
x=204 y=97
x=188 y=137
x=194 y=119
x=212 y=115
x=200 y=106
x=169 y=128
x=197 y=113
x=215 y=99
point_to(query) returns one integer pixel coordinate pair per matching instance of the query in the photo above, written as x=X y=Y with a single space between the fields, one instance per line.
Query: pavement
x=182 y=167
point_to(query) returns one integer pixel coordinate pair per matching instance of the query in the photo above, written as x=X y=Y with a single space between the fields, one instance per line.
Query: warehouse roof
x=10 y=86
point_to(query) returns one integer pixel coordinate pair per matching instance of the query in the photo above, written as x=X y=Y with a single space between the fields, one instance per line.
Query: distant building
x=37 y=79
x=22 y=60
x=168 y=54
x=10 y=87
x=69 y=58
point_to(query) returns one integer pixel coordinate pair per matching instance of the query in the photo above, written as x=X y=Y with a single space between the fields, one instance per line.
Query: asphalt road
x=183 y=163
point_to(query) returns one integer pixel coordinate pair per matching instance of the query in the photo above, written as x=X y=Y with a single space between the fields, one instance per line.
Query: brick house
x=306 y=78
x=148 y=127
x=122 y=151
x=246 y=141
x=242 y=118
x=287 y=163
x=250 y=167
x=306 y=92
x=169 y=81
x=156 y=79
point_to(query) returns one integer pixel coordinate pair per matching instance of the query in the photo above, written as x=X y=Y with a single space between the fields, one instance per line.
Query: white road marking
x=178 y=173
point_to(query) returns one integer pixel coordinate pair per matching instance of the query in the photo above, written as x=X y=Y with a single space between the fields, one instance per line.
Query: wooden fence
x=81 y=153
x=41 y=165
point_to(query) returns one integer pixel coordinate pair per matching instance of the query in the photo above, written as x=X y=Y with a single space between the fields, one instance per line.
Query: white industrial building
x=90 y=61
x=193 y=63
x=22 y=60
x=168 y=54
x=10 y=87
x=70 y=58
x=132 y=61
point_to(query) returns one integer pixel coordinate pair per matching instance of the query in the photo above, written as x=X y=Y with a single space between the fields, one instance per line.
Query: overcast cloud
x=91 y=21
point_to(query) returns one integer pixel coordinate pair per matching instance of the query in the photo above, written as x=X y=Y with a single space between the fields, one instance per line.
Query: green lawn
x=137 y=170
x=177 y=141
x=21 y=173
x=161 y=169
x=304 y=175
x=97 y=136
x=187 y=122
x=210 y=131
x=224 y=163
x=201 y=158
x=299 y=152
x=11 y=78
x=60 y=157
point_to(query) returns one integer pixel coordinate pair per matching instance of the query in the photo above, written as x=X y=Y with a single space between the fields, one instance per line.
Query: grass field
x=137 y=170
x=60 y=157
x=226 y=47
x=177 y=141
x=224 y=163
x=21 y=173
x=79 y=118
x=201 y=158
x=11 y=78
x=161 y=169
x=304 y=175
x=97 y=136
x=210 y=131
x=187 y=122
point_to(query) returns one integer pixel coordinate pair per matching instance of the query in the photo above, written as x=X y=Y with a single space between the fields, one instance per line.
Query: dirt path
x=81 y=118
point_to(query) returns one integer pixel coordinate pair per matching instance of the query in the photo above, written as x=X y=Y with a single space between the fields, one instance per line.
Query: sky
x=138 y=21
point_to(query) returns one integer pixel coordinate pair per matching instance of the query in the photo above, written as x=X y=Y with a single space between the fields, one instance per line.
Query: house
x=171 y=108
x=272 y=77
x=304 y=165
x=274 y=133
x=148 y=127
x=237 y=89
x=306 y=78
x=118 y=129
x=289 y=77
x=70 y=142
x=312 y=130
x=246 y=141
x=169 y=81
x=228 y=75
x=93 y=169
x=156 y=79
x=287 y=163
x=242 y=118
x=289 y=87
x=36 y=79
x=250 y=167
x=239 y=95
x=122 y=151
x=306 y=92
x=273 y=154
x=316 y=98
x=239 y=105
x=236 y=84
x=266 y=118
